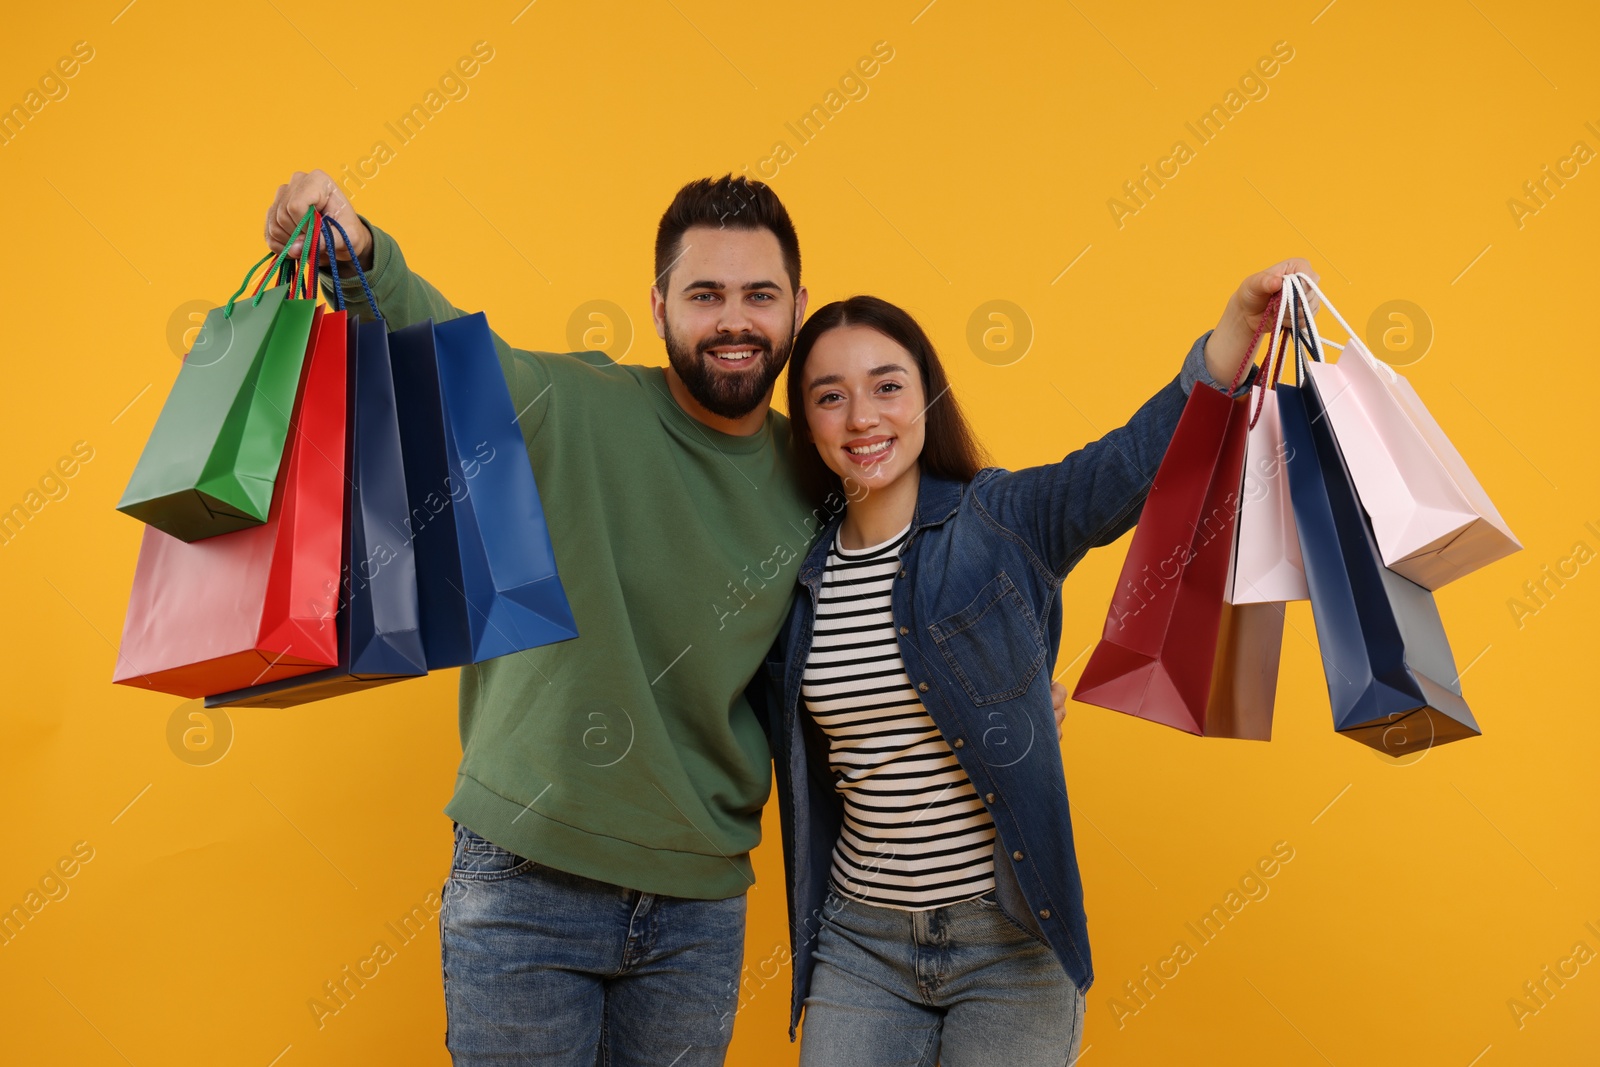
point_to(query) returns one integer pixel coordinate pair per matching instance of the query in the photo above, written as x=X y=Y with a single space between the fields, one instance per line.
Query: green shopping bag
x=213 y=456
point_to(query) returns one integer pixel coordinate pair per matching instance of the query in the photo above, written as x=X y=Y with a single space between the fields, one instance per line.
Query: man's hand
x=1058 y=701
x=1227 y=347
x=303 y=192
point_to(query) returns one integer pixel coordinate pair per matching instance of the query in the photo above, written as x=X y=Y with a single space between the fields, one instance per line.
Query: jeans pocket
x=477 y=859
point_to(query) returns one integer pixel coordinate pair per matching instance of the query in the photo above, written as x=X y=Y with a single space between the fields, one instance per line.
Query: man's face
x=728 y=314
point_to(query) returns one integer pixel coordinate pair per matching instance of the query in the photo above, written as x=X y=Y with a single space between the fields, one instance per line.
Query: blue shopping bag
x=486 y=571
x=1392 y=680
x=379 y=615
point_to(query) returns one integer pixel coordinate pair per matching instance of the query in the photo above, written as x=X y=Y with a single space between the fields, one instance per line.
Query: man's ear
x=658 y=311
x=800 y=300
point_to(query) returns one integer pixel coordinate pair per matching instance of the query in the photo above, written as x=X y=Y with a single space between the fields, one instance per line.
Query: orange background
x=238 y=868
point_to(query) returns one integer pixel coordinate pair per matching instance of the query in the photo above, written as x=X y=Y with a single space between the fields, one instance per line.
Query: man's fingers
x=1058 y=702
x=269 y=227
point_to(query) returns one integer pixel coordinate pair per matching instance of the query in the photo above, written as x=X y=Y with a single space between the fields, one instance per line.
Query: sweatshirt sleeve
x=405 y=298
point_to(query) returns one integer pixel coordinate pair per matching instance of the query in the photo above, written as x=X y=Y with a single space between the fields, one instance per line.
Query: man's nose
x=735 y=318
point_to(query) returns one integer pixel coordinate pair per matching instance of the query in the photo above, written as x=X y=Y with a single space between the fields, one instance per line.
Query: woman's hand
x=1058 y=701
x=1228 y=345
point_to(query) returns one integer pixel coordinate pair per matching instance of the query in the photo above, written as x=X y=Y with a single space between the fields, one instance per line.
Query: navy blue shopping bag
x=486 y=572
x=1391 y=678
x=379 y=616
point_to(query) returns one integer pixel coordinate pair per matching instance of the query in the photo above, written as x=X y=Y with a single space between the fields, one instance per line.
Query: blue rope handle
x=333 y=265
x=355 y=261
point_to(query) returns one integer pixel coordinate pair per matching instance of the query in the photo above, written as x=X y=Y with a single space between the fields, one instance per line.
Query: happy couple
x=848 y=601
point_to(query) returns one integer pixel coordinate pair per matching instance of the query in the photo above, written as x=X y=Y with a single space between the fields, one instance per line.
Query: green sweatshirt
x=629 y=754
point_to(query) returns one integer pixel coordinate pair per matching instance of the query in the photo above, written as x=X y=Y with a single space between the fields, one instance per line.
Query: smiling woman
x=906 y=689
x=880 y=433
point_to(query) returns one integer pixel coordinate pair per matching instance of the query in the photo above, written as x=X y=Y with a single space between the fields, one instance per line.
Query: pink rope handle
x=1250 y=349
x=1274 y=352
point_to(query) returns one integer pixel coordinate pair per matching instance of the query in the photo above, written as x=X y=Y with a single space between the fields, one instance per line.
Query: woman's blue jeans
x=960 y=986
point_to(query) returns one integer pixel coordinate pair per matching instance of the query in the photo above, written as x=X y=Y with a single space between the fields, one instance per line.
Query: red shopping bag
x=255 y=605
x=1159 y=650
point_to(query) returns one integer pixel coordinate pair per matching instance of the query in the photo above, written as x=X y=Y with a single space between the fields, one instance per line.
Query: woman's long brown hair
x=950 y=448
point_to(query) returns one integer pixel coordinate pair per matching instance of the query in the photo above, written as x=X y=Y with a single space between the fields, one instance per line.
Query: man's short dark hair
x=726 y=203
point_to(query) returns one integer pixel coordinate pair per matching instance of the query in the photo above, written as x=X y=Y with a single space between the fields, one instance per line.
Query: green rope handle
x=227 y=312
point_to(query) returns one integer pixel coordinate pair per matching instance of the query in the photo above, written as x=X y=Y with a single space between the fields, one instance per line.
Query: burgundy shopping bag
x=257 y=604
x=1158 y=651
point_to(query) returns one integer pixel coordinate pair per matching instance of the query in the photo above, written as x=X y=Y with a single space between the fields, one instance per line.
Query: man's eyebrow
x=748 y=287
x=835 y=379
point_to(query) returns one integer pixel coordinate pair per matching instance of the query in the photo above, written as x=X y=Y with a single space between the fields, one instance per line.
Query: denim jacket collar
x=938 y=499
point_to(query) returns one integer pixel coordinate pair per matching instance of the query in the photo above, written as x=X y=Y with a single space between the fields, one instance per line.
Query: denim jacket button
x=902 y=572
x=922 y=687
x=904 y=631
x=1016 y=855
x=1044 y=913
x=988 y=798
x=958 y=743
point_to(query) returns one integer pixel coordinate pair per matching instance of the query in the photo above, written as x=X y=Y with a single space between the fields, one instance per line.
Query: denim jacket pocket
x=993 y=645
x=478 y=859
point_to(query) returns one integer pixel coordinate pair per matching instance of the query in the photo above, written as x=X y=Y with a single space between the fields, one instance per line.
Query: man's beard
x=730 y=395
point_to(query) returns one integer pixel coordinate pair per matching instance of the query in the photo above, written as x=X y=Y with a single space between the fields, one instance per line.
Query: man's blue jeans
x=544 y=967
x=960 y=986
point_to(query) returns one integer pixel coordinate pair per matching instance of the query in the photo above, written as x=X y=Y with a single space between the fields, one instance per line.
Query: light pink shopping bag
x=1266 y=566
x=1431 y=517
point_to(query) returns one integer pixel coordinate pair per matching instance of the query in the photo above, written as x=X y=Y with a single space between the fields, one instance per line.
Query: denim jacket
x=977 y=609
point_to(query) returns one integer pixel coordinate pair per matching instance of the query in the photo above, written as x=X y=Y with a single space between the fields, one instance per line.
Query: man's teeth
x=737 y=353
x=869 y=450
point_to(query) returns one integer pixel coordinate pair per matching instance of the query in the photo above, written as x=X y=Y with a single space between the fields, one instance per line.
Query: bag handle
x=355 y=261
x=292 y=272
x=308 y=256
x=333 y=264
x=1272 y=368
x=1307 y=283
x=1313 y=344
x=1274 y=301
x=227 y=312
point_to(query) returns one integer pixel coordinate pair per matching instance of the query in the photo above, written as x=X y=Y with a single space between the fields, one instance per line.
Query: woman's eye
x=892 y=386
x=826 y=397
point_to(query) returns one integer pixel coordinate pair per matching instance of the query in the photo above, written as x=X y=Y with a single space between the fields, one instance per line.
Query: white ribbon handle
x=1296 y=280
x=1305 y=280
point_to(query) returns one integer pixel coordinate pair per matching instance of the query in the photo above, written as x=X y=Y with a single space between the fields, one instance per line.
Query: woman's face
x=864 y=406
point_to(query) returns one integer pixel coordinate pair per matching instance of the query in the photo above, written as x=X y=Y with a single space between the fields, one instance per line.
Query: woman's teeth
x=869 y=450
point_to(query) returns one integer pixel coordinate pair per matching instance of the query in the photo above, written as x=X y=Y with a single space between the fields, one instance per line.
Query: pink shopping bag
x=1265 y=567
x=1432 y=519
